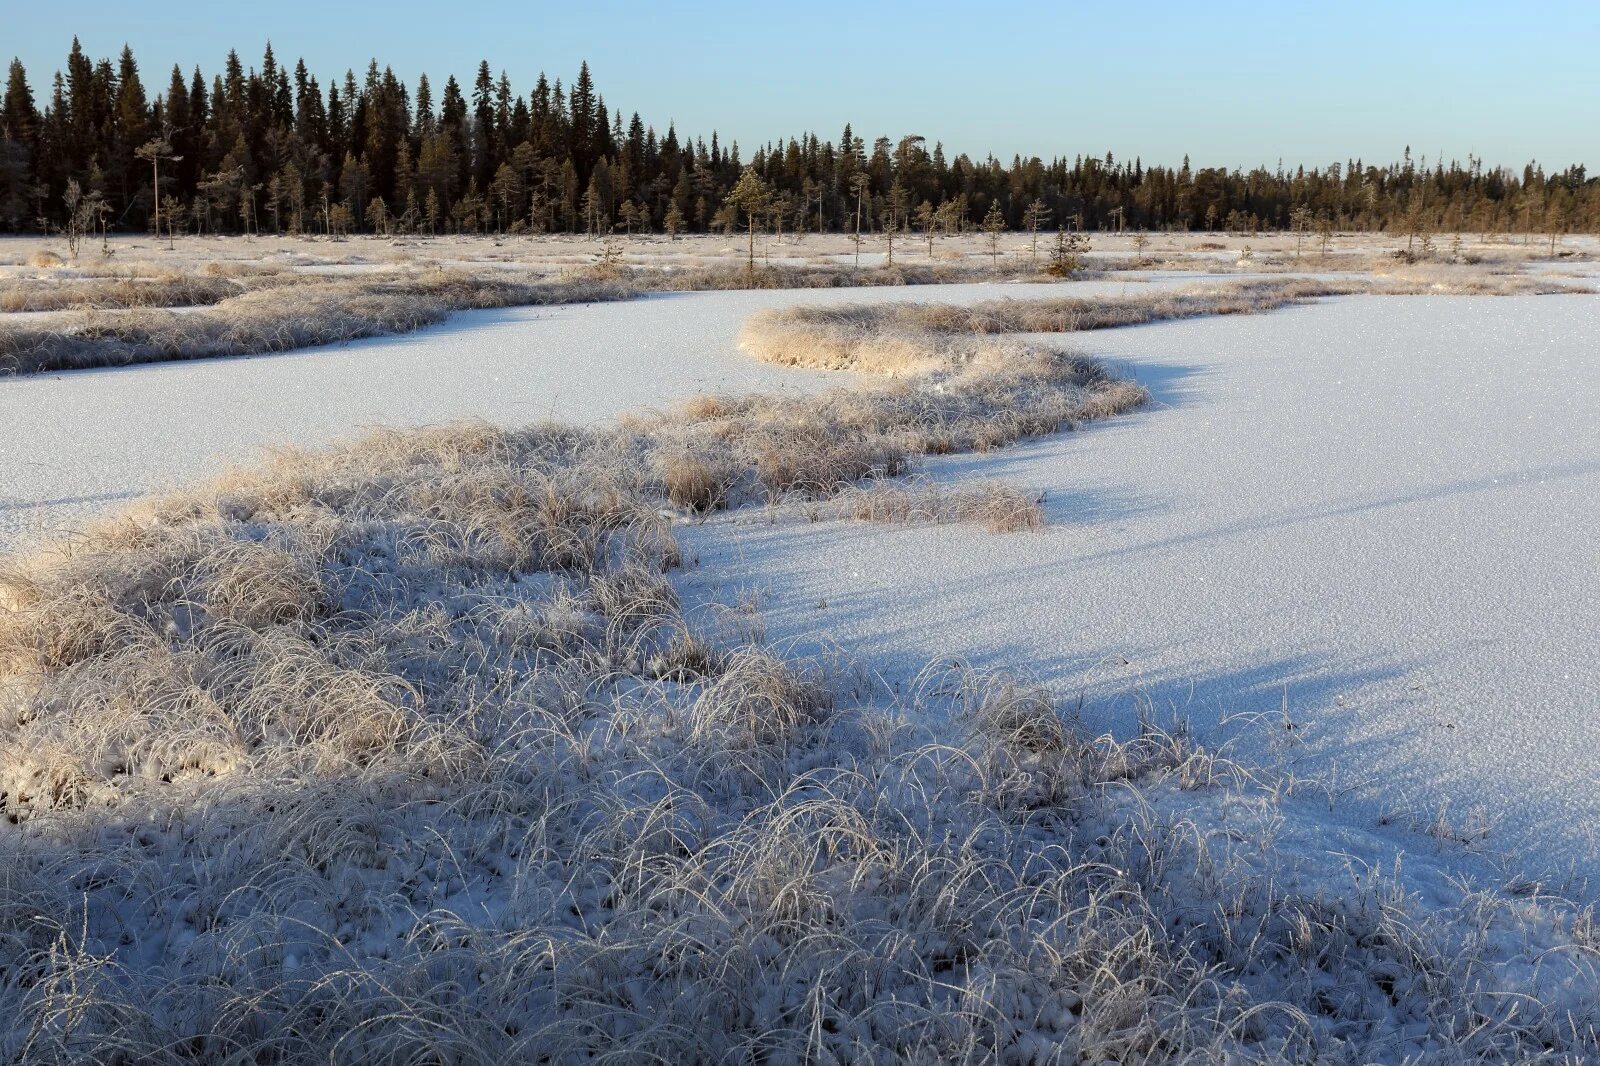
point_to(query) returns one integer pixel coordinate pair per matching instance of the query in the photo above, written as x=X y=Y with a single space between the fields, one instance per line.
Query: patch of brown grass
x=994 y=505
x=695 y=484
x=698 y=408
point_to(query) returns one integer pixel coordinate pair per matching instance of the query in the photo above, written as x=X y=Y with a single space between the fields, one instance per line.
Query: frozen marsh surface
x=1373 y=518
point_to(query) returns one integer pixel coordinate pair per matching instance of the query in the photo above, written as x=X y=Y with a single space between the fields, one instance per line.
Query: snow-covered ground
x=1379 y=513
x=74 y=444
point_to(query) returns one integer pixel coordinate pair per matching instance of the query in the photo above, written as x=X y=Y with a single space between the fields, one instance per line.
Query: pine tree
x=153 y=152
x=19 y=118
x=1066 y=258
x=1036 y=215
x=994 y=224
x=859 y=184
x=19 y=132
x=483 y=132
x=751 y=196
x=926 y=218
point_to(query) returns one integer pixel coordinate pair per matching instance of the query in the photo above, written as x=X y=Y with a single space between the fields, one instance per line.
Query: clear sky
x=1226 y=81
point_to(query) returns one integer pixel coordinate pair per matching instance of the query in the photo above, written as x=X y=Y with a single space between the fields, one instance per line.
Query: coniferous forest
x=269 y=149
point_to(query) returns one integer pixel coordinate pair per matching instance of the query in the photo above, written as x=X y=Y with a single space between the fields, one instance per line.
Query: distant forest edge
x=266 y=150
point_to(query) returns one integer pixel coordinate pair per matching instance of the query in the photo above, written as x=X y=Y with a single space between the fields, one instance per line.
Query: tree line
x=267 y=150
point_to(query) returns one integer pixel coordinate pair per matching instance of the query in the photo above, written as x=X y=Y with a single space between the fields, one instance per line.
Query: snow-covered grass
x=126 y=305
x=557 y=252
x=178 y=290
x=407 y=750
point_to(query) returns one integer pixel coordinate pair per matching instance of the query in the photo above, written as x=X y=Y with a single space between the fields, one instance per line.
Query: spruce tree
x=237 y=130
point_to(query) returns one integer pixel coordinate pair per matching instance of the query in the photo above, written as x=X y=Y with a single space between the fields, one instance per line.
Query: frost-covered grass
x=407 y=751
x=270 y=319
x=179 y=290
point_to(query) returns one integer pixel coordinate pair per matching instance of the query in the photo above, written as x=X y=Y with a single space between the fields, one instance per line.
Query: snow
x=74 y=444
x=1378 y=513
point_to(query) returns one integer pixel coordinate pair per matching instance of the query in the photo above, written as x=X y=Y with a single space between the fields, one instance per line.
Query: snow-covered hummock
x=1376 y=519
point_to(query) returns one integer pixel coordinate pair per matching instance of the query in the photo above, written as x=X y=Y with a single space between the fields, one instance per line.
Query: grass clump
x=759 y=698
x=174 y=290
x=696 y=484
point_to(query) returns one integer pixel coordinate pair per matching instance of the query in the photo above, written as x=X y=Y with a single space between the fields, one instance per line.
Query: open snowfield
x=1376 y=515
x=75 y=444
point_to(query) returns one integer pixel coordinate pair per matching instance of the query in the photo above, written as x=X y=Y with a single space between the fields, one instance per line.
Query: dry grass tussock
x=916 y=337
x=998 y=507
x=406 y=751
x=141 y=284
x=730 y=451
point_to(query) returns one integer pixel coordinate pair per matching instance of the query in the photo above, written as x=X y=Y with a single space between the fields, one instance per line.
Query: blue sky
x=1227 y=82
